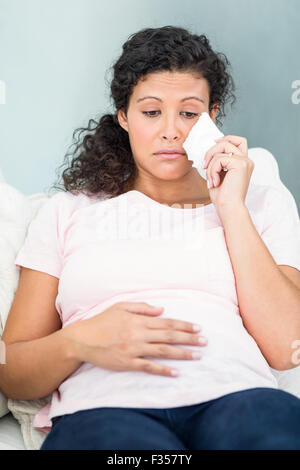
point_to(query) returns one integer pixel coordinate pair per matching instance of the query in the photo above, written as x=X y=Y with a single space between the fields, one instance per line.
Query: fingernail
x=174 y=372
x=196 y=355
x=208 y=184
x=196 y=327
x=202 y=340
x=215 y=183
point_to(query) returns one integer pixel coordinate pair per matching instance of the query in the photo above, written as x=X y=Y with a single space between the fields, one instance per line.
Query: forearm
x=35 y=369
x=269 y=302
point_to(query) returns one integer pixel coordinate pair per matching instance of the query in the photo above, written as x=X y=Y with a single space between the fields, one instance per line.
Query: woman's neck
x=193 y=195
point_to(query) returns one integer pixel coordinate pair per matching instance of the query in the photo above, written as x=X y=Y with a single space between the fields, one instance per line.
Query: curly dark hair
x=105 y=162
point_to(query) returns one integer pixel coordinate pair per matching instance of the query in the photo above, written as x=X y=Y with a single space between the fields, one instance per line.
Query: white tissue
x=201 y=138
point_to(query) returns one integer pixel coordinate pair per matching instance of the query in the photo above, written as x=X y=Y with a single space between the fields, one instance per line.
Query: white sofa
x=16 y=212
x=10 y=434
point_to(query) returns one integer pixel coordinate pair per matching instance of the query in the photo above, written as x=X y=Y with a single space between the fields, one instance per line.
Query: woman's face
x=164 y=121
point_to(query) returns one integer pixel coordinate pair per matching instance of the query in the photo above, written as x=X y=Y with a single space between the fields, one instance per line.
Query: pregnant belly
x=231 y=352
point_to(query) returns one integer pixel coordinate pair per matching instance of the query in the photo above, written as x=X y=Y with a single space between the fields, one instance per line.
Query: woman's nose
x=171 y=128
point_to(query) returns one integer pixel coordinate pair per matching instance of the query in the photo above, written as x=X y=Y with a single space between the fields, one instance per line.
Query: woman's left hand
x=231 y=186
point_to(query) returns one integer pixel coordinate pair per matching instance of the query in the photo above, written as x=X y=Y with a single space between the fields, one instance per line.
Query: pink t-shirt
x=132 y=248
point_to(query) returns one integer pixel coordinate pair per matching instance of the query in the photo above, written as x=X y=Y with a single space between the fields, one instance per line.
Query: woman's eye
x=191 y=115
x=148 y=113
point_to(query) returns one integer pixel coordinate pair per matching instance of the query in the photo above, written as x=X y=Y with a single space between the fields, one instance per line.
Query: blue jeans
x=257 y=418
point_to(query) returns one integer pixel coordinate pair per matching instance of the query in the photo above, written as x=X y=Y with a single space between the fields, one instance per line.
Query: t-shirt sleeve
x=281 y=228
x=41 y=249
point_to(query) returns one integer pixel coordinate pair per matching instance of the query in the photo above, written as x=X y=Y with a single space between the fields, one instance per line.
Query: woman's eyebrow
x=159 y=99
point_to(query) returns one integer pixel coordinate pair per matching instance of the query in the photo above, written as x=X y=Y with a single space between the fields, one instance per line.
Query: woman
x=134 y=278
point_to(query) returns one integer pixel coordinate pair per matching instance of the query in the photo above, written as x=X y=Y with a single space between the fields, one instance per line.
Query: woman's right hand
x=119 y=337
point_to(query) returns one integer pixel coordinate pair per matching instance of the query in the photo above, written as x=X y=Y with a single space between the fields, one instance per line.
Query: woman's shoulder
x=71 y=201
x=64 y=204
x=272 y=203
x=259 y=195
x=270 y=195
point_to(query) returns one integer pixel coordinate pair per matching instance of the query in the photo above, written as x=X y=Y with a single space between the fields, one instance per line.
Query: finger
x=152 y=367
x=222 y=147
x=141 y=308
x=170 y=323
x=121 y=357
x=218 y=165
x=240 y=142
x=167 y=351
x=173 y=337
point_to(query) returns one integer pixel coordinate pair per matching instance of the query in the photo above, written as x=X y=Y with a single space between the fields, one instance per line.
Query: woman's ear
x=214 y=112
x=122 y=119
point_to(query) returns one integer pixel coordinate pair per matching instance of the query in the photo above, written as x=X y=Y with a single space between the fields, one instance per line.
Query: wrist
x=73 y=349
x=229 y=213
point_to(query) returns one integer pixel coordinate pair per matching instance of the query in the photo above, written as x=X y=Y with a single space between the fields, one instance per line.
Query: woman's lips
x=169 y=156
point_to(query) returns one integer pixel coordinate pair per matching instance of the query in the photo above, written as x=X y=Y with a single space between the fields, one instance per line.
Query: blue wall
x=54 y=56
